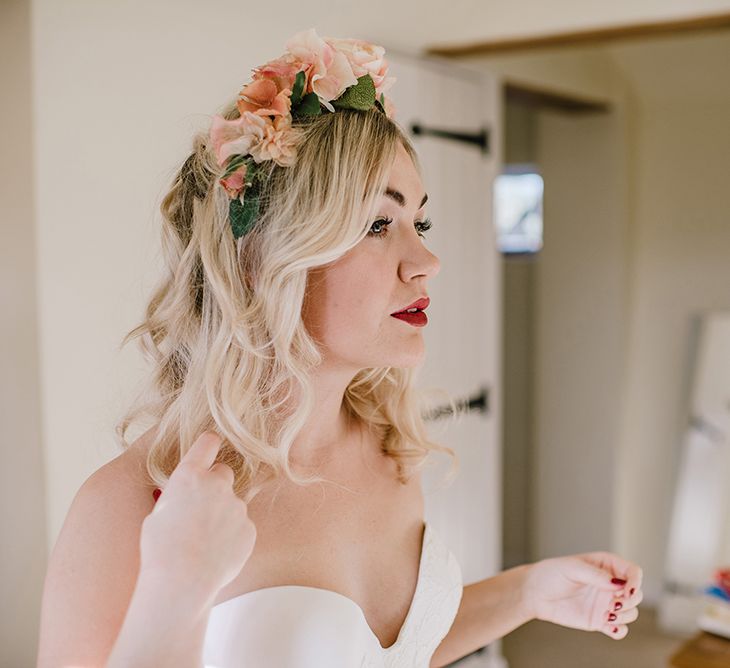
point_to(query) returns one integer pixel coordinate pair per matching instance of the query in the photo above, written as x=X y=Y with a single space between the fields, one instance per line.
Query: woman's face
x=349 y=303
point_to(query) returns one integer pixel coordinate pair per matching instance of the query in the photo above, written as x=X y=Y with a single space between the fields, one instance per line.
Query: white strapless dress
x=294 y=626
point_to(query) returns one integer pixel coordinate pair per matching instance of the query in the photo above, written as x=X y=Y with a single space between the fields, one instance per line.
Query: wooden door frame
x=670 y=28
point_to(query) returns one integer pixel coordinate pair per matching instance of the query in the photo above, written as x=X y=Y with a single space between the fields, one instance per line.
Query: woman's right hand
x=199 y=532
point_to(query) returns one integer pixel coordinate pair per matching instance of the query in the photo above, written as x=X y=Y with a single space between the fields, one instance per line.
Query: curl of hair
x=223 y=330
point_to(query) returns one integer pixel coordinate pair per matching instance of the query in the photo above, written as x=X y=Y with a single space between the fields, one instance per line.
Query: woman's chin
x=408 y=360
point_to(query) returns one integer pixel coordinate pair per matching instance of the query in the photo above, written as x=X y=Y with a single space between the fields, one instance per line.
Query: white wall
x=581 y=320
x=22 y=475
x=681 y=259
x=649 y=280
x=518 y=324
x=518 y=342
x=465 y=21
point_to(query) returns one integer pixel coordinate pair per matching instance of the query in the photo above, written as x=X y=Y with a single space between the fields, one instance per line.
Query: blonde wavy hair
x=223 y=329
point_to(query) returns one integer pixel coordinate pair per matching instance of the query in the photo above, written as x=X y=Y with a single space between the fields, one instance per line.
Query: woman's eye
x=424 y=226
x=381 y=226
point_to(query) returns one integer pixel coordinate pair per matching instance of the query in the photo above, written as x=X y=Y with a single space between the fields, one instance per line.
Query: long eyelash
x=382 y=221
x=423 y=226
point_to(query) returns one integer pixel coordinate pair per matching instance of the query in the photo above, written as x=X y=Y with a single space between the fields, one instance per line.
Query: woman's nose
x=420 y=262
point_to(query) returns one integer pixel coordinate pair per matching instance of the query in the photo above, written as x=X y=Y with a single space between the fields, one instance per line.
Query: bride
x=272 y=516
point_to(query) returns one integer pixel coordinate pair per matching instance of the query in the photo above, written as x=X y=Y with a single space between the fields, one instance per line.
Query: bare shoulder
x=93 y=567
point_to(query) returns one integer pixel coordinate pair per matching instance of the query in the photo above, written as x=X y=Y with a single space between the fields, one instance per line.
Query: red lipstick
x=418 y=317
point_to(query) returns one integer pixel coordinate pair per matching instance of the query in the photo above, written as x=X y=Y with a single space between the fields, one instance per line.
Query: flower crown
x=313 y=72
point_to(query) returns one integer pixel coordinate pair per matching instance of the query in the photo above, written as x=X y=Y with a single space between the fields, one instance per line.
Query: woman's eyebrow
x=397 y=195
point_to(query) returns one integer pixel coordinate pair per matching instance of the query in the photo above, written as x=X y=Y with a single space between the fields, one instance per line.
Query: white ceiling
x=417 y=25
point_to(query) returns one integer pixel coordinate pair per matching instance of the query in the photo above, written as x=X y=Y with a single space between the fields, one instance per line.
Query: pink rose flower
x=233 y=183
x=232 y=137
x=366 y=58
x=328 y=71
x=262 y=97
x=264 y=129
x=254 y=135
x=274 y=140
x=282 y=71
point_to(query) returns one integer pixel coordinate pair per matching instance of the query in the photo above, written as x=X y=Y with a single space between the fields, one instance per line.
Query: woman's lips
x=417 y=319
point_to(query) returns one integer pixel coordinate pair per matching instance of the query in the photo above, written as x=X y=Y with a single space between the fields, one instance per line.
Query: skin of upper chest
x=360 y=536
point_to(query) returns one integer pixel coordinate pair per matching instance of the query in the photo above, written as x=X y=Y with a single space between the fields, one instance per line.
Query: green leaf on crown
x=360 y=96
x=244 y=214
x=254 y=170
x=309 y=106
x=296 y=95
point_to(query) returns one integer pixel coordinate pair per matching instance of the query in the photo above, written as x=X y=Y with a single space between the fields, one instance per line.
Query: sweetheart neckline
x=399 y=637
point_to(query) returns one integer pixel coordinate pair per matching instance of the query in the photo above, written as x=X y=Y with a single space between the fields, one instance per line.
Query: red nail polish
x=631 y=593
x=615 y=629
x=611 y=617
x=618 y=605
x=618 y=581
x=156 y=493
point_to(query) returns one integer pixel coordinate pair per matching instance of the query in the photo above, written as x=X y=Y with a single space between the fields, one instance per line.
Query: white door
x=462 y=338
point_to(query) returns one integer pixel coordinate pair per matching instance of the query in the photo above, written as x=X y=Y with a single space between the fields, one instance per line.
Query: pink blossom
x=259 y=136
x=263 y=97
x=282 y=71
x=328 y=71
x=366 y=58
x=264 y=129
x=231 y=137
x=274 y=140
x=233 y=183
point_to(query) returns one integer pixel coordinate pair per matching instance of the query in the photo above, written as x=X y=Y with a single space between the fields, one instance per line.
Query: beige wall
x=644 y=269
x=518 y=343
x=465 y=21
x=581 y=319
x=682 y=267
x=22 y=475
x=518 y=325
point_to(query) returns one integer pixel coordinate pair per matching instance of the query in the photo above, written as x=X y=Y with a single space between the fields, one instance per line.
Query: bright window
x=518 y=210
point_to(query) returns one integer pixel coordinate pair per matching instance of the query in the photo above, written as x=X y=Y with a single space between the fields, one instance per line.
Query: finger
x=223 y=471
x=622 y=617
x=203 y=452
x=600 y=577
x=628 y=616
x=615 y=631
x=632 y=600
x=632 y=588
x=619 y=568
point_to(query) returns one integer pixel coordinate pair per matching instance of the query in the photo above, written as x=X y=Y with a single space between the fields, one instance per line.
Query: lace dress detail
x=433 y=609
x=292 y=626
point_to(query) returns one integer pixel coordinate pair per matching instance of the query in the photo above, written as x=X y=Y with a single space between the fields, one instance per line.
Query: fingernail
x=631 y=592
x=611 y=617
x=615 y=629
x=156 y=493
x=618 y=605
x=618 y=581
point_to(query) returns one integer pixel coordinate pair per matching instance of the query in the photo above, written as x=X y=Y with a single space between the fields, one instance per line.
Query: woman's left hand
x=576 y=591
